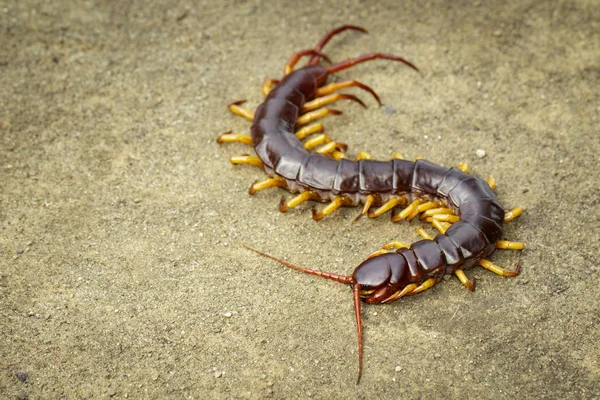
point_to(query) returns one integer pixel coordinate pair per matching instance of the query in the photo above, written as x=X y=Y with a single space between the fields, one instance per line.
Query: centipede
x=299 y=157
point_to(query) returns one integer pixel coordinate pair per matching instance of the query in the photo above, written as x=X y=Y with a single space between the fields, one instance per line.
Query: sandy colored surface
x=122 y=271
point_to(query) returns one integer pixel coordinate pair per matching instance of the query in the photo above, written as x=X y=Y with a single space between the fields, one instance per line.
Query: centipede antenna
x=297 y=56
x=315 y=59
x=366 y=57
x=356 y=299
x=348 y=280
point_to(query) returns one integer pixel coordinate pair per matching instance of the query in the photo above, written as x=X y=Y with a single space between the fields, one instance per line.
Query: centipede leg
x=407 y=211
x=462 y=277
x=330 y=98
x=363 y=155
x=241 y=111
x=387 y=206
x=423 y=233
x=431 y=212
x=492 y=182
x=368 y=203
x=424 y=286
x=268 y=183
x=377 y=253
x=508 y=245
x=332 y=149
x=512 y=214
x=321 y=139
x=406 y=290
x=490 y=266
x=329 y=208
x=332 y=87
x=295 y=201
x=396 y=244
x=464 y=167
x=441 y=226
x=312 y=115
x=289 y=68
x=234 y=138
x=246 y=159
x=366 y=57
x=267 y=85
x=309 y=130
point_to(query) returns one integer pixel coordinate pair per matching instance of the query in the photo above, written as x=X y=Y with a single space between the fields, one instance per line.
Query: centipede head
x=349 y=280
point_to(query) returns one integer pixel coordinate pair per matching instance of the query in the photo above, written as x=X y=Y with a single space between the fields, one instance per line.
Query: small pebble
x=398 y=368
x=389 y=110
x=228 y=314
x=437 y=355
x=19 y=251
x=218 y=374
x=22 y=376
x=480 y=153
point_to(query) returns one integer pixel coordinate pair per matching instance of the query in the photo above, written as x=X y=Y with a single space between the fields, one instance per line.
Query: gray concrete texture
x=123 y=272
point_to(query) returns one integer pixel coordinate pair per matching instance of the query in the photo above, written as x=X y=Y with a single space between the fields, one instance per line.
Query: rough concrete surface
x=123 y=272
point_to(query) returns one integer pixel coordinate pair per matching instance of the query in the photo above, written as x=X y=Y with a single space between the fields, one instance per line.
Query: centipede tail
x=463 y=208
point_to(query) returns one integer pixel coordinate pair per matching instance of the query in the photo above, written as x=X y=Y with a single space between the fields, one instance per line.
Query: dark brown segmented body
x=465 y=242
x=382 y=278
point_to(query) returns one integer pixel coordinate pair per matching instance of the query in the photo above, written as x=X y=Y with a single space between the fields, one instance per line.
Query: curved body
x=476 y=216
x=465 y=242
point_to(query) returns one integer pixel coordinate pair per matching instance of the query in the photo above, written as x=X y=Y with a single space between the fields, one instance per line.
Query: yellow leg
x=490 y=266
x=435 y=211
x=312 y=115
x=330 y=98
x=406 y=290
x=464 y=167
x=377 y=253
x=424 y=286
x=234 y=138
x=330 y=148
x=273 y=182
x=315 y=141
x=309 y=130
x=413 y=214
x=429 y=205
x=368 y=203
x=267 y=86
x=512 y=214
x=338 y=155
x=446 y=218
x=295 y=201
x=440 y=225
x=492 y=182
x=396 y=244
x=249 y=160
x=241 y=111
x=332 y=87
x=508 y=245
x=363 y=155
x=329 y=208
x=424 y=234
x=407 y=211
x=391 y=203
x=397 y=156
x=465 y=280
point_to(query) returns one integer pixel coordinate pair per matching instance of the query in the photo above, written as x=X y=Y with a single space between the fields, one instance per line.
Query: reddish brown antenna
x=338 y=278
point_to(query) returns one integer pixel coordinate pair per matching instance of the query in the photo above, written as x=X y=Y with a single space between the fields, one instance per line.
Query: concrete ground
x=122 y=267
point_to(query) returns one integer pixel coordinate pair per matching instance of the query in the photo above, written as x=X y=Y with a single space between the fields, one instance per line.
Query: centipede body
x=463 y=208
